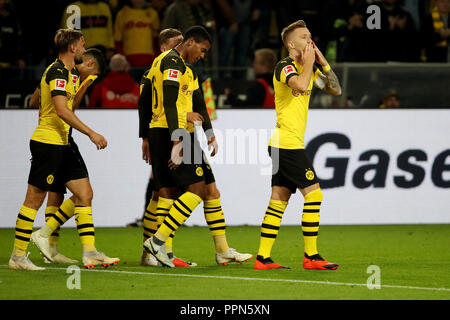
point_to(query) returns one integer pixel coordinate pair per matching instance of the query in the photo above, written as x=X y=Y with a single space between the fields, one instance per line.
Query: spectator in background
x=233 y=25
x=136 y=32
x=182 y=14
x=436 y=31
x=397 y=40
x=118 y=89
x=11 y=53
x=260 y=93
x=160 y=6
x=345 y=20
x=96 y=25
x=392 y=100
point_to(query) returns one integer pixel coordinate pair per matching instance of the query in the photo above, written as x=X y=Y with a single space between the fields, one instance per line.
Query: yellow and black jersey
x=188 y=92
x=145 y=105
x=168 y=69
x=291 y=106
x=57 y=80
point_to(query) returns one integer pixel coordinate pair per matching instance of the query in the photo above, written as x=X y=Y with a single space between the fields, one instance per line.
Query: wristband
x=326 y=68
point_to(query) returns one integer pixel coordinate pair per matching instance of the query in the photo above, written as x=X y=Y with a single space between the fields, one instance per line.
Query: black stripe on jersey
x=57 y=70
x=280 y=65
x=172 y=61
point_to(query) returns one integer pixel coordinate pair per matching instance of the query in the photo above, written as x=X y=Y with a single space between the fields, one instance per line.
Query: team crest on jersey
x=173 y=75
x=184 y=88
x=60 y=84
x=309 y=174
x=288 y=70
x=50 y=179
x=199 y=171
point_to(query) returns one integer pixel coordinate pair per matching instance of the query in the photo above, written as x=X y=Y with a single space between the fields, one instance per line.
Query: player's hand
x=99 y=140
x=146 y=151
x=176 y=156
x=212 y=144
x=308 y=54
x=194 y=117
x=320 y=58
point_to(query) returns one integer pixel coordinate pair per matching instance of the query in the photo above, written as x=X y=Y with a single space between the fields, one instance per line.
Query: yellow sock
x=270 y=226
x=216 y=223
x=169 y=243
x=85 y=227
x=310 y=220
x=150 y=220
x=24 y=228
x=179 y=212
x=56 y=219
x=49 y=213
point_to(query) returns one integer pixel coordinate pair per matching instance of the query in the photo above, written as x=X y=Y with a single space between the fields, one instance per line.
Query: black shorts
x=207 y=171
x=160 y=151
x=53 y=165
x=292 y=168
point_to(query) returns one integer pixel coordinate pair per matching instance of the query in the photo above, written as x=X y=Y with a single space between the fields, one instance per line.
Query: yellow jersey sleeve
x=57 y=79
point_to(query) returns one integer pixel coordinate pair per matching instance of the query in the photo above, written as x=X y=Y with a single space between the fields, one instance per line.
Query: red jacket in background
x=117 y=90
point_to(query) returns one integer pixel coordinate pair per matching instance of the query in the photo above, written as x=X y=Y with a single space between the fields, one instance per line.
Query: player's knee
x=85 y=197
x=212 y=192
x=155 y=195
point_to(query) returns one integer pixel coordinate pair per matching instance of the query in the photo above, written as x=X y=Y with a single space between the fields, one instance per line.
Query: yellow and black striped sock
x=49 y=213
x=310 y=220
x=85 y=227
x=56 y=218
x=179 y=212
x=216 y=223
x=169 y=244
x=150 y=220
x=270 y=226
x=24 y=228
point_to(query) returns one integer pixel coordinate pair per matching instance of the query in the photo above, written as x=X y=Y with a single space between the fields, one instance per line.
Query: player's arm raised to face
x=332 y=85
x=301 y=81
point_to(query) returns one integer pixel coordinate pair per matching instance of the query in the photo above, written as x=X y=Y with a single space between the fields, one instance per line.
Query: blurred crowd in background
x=410 y=31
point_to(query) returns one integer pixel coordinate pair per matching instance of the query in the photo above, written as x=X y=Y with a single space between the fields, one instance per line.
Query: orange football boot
x=316 y=262
x=266 y=264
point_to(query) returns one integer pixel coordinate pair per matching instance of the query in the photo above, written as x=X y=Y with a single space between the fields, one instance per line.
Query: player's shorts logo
x=199 y=171
x=309 y=175
x=50 y=179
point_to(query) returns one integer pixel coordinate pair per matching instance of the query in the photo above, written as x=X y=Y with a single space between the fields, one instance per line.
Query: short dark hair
x=98 y=57
x=66 y=37
x=167 y=34
x=198 y=33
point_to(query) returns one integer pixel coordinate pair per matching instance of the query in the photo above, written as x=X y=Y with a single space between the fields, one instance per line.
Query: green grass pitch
x=414 y=263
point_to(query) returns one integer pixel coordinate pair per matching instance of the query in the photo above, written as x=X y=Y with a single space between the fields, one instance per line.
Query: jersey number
x=154 y=94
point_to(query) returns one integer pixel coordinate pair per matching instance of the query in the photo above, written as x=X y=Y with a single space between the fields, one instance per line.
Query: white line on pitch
x=256 y=279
